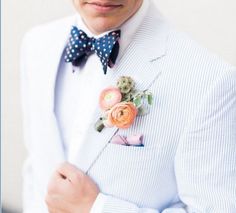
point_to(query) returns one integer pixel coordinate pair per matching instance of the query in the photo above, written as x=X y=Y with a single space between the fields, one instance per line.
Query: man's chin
x=102 y=24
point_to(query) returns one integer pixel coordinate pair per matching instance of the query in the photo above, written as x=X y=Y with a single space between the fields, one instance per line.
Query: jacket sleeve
x=28 y=194
x=31 y=201
x=107 y=204
x=205 y=163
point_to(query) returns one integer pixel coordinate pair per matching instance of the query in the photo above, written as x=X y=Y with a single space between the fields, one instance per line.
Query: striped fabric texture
x=188 y=161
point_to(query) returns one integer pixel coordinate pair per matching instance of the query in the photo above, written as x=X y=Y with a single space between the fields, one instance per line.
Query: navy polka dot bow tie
x=80 y=46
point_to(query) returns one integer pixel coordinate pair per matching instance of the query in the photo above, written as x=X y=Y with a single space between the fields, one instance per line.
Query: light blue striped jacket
x=188 y=162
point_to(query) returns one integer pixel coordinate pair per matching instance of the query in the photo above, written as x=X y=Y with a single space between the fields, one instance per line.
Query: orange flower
x=122 y=115
x=109 y=97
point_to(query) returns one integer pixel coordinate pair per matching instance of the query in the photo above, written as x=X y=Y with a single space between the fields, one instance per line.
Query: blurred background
x=211 y=22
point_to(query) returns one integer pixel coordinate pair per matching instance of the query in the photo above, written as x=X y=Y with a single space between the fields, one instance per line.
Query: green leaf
x=149 y=98
x=137 y=101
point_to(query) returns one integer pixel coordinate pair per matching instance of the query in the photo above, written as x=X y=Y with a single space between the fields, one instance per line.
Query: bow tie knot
x=80 y=46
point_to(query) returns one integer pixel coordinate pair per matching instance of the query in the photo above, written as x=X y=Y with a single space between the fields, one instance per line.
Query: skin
x=104 y=15
x=69 y=189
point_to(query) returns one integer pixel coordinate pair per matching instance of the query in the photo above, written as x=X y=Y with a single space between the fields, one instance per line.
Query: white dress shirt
x=70 y=87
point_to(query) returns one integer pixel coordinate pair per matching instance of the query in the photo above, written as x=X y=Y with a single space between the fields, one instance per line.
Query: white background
x=211 y=22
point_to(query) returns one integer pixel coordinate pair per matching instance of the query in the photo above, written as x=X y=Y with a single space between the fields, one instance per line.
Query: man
x=187 y=162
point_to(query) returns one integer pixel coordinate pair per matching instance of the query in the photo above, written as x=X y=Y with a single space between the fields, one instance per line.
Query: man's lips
x=103 y=7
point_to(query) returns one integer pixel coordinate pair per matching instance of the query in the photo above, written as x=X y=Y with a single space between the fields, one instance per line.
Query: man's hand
x=70 y=191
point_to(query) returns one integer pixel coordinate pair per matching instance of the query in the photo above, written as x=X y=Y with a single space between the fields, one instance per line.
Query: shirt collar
x=128 y=29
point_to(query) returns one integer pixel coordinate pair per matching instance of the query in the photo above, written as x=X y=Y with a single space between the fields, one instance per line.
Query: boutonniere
x=121 y=104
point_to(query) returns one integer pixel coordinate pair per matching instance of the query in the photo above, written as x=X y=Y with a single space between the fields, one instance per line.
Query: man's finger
x=55 y=183
x=70 y=172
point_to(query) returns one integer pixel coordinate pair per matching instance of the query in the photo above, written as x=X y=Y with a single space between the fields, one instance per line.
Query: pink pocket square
x=131 y=140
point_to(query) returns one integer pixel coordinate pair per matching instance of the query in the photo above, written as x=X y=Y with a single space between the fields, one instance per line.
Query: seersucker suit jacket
x=188 y=162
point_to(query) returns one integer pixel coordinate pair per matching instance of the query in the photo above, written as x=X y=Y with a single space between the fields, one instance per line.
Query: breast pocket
x=126 y=171
x=118 y=159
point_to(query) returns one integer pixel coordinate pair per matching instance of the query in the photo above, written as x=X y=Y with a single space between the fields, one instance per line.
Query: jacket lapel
x=146 y=49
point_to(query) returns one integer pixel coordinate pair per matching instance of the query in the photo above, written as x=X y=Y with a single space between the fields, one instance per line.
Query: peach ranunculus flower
x=122 y=115
x=109 y=97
